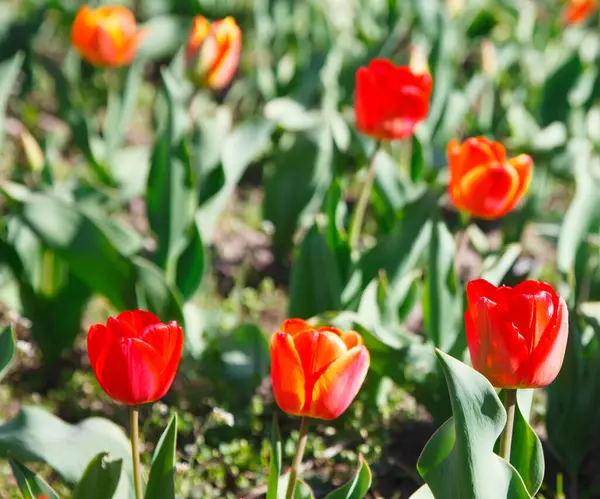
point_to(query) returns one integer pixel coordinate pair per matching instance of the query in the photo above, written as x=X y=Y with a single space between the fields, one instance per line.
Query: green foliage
x=30 y=484
x=101 y=479
x=161 y=482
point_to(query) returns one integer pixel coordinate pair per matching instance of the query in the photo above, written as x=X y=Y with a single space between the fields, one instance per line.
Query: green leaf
x=584 y=208
x=161 y=482
x=7 y=349
x=30 y=485
x=242 y=146
x=121 y=108
x=303 y=490
x=165 y=35
x=245 y=354
x=460 y=456
x=171 y=192
x=190 y=265
x=498 y=267
x=275 y=460
x=310 y=296
x=555 y=105
x=527 y=454
x=9 y=70
x=442 y=303
x=297 y=187
x=36 y=435
x=335 y=233
x=100 y=479
x=356 y=488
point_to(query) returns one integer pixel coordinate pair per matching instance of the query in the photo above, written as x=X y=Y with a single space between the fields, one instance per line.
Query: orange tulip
x=482 y=181
x=106 y=36
x=213 y=52
x=316 y=372
x=579 y=10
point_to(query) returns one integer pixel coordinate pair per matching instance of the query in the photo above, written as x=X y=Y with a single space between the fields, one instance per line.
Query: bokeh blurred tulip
x=579 y=10
x=213 y=52
x=135 y=356
x=516 y=336
x=483 y=182
x=106 y=36
x=389 y=101
x=316 y=372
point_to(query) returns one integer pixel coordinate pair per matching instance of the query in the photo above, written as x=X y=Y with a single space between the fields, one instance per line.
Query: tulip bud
x=390 y=101
x=517 y=336
x=579 y=10
x=213 y=52
x=106 y=36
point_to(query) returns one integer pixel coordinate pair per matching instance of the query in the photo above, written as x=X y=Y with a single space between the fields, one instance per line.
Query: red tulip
x=517 y=336
x=213 y=52
x=390 y=101
x=579 y=10
x=316 y=372
x=106 y=36
x=135 y=356
x=483 y=182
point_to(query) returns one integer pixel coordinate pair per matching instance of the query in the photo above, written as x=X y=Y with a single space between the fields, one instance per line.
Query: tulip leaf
x=9 y=70
x=310 y=296
x=496 y=271
x=7 y=349
x=171 y=192
x=302 y=491
x=191 y=263
x=584 y=208
x=442 y=307
x=31 y=485
x=275 y=460
x=242 y=146
x=460 y=455
x=296 y=189
x=161 y=482
x=356 y=488
x=37 y=435
x=100 y=479
x=121 y=107
x=527 y=454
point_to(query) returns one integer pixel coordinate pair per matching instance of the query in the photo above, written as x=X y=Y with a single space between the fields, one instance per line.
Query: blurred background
x=228 y=212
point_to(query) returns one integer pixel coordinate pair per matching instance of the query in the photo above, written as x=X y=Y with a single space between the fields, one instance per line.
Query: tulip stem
x=302 y=438
x=510 y=403
x=134 y=418
x=363 y=201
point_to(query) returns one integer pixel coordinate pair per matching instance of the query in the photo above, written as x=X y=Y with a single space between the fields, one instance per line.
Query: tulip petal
x=488 y=191
x=335 y=390
x=294 y=326
x=97 y=344
x=352 y=339
x=287 y=376
x=130 y=373
x=547 y=358
x=317 y=350
x=523 y=164
x=229 y=41
x=82 y=31
x=132 y=323
x=172 y=353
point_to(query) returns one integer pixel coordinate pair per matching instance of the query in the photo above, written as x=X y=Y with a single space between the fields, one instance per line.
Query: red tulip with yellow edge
x=517 y=336
x=106 y=36
x=135 y=356
x=213 y=52
x=316 y=373
x=483 y=182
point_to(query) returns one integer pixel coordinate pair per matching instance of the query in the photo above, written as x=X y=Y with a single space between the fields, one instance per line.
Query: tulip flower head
x=389 y=101
x=483 y=182
x=213 y=52
x=517 y=336
x=135 y=356
x=316 y=372
x=579 y=10
x=106 y=36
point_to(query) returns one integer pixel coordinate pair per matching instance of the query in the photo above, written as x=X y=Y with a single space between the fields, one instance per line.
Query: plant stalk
x=134 y=418
x=510 y=403
x=363 y=201
x=302 y=438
